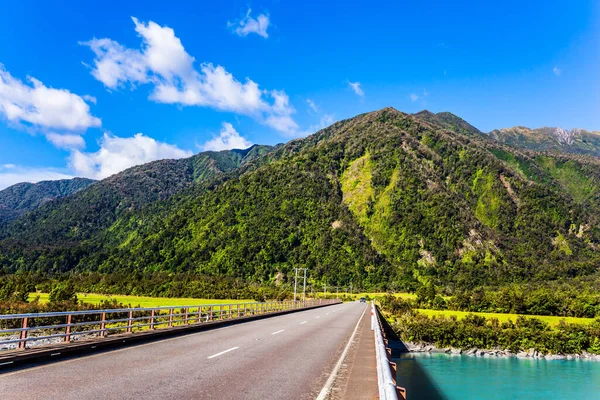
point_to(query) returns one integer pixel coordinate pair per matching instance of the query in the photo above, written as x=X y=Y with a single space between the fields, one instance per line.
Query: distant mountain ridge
x=554 y=139
x=22 y=197
x=576 y=141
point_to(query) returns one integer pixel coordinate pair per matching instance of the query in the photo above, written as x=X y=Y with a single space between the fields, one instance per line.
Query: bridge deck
x=283 y=357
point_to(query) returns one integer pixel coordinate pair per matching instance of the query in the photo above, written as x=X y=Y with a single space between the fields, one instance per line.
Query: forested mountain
x=577 y=141
x=22 y=197
x=449 y=121
x=89 y=211
x=385 y=200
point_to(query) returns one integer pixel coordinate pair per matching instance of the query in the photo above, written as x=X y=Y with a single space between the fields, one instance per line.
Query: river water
x=452 y=377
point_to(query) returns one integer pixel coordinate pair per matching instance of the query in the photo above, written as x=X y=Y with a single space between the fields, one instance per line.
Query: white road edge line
x=223 y=352
x=303 y=322
x=275 y=333
x=324 y=393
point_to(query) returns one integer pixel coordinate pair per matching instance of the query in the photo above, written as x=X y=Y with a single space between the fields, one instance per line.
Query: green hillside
x=89 y=212
x=386 y=200
x=18 y=199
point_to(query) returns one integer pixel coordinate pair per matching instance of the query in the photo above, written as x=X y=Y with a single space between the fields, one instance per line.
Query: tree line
x=476 y=331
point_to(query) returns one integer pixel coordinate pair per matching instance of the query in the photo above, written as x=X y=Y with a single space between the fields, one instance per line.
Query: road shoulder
x=357 y=378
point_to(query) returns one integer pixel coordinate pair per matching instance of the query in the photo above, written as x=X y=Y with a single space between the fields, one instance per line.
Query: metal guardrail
x=385 y=380
x=127 y=320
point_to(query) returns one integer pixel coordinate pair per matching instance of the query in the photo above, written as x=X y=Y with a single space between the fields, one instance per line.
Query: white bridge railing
x=39 y=329
x=385 y=379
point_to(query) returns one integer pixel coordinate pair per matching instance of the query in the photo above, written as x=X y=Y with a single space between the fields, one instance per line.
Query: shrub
x=63 y=292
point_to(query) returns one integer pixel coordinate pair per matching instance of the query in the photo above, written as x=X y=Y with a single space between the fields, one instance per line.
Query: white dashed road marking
x=223 y=352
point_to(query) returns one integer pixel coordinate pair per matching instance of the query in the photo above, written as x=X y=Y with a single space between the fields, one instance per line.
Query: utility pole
x=325 y=285
x=336 y=292
x=304 y=287
x=295 y=283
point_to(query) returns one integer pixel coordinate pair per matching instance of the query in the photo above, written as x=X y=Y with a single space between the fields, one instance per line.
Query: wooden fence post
x=23 y=335
x=68 y=329
x=103 y=325
x=129 y=321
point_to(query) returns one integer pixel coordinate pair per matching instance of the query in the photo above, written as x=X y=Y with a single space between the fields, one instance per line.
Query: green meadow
x=142 y=301
x=373 y=295
x=551 y=320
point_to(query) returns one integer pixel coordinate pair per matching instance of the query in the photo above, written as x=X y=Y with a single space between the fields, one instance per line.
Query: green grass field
x=143 y=301
x=147 y=301
x=371 y=295
x=506 y=317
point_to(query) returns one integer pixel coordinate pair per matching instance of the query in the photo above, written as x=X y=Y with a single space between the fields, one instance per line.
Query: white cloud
x=11 y=174
x=324 y=122
x=117 y=154
x=89 y=99
x=116 y=65
x=163 y=63
x=248 y=25
x=65 y=141
x=557 y=71
x=312 y=105
x=355 y=86
x=41 y=106
x=281 y=116
x=228 y=139
x=414 y=97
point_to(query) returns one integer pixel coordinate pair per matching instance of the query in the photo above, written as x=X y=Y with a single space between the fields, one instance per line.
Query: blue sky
x=88 y=90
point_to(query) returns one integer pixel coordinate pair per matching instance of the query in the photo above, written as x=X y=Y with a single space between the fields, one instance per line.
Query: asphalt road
x=283 y=357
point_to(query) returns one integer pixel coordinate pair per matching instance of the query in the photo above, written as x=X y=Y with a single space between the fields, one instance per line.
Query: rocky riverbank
x=531 y=353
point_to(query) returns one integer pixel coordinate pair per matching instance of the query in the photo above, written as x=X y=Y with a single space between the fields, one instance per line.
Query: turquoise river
x=452 y=377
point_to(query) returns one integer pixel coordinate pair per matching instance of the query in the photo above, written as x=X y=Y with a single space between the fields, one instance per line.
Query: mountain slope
x=89 y=211
x=385 y=199
x=449 y=121
x=577 y=141
x=433 y=204
x=22 y=197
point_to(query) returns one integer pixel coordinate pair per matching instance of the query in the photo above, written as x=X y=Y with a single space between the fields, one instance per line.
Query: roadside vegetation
x=552 y=300
x=548 y=319
x=445 y=329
